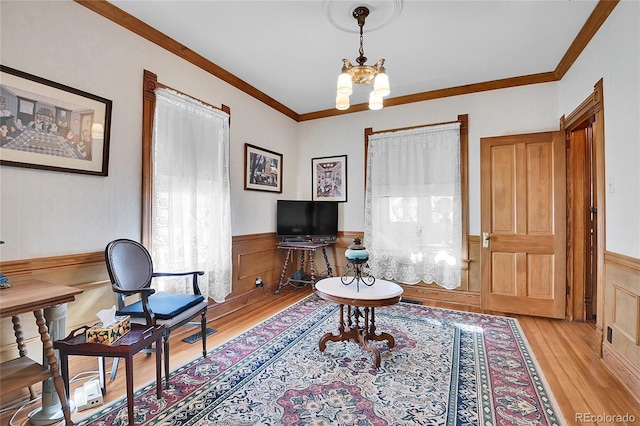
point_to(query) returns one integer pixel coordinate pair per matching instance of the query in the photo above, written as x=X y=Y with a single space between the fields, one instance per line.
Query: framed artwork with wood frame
x=47 y=125
x=329 y=178
x=262 y=169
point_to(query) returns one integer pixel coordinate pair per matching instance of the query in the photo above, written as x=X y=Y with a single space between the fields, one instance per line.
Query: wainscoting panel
x=621 y=350
x=253 y=255
x=625 y=313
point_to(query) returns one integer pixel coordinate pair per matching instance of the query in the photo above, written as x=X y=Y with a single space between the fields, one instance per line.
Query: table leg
x=391 y=342
x=350 y=328
x=330 y=337
x=159 y=367
x=22 y=348
x=302 y=254
x=284 y=271
x=326 y=260
x=312 y=268
x=102 y=372
x=344 y=332
x=53 y=364
x=364 y=337
x=129 y=378
x=64 y=371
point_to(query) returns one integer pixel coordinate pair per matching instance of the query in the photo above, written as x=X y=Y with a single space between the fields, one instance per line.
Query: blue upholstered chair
x=131 y=270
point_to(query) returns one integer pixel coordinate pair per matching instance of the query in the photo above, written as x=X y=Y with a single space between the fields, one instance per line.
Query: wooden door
x=523 y=221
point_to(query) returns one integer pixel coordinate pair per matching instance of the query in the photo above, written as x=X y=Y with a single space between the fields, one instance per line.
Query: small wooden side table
x=308 y=248
x=140 y=337
x=353 y=324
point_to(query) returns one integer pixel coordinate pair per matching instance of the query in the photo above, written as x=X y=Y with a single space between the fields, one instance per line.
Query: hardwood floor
x=583 y=387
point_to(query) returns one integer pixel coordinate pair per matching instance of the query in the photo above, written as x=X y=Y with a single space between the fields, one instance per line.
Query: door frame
x=590 y=110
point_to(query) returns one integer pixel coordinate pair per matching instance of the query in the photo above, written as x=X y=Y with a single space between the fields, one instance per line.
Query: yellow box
x=107 y=335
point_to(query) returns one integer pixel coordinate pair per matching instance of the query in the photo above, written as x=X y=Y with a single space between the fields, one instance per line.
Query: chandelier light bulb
x=345 y=85
x=342 y=102
x=381 y=83
x=375 y=101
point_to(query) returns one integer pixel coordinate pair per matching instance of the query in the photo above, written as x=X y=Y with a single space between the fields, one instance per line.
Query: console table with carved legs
x=357 y=320
x=30 y=295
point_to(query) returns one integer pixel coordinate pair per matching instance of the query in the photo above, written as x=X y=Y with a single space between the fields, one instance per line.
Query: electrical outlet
x=259 y=282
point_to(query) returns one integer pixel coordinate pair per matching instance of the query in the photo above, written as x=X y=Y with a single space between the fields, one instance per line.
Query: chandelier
x=361 y=73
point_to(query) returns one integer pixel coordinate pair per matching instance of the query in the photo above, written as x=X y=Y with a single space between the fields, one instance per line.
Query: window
x=415 y=203
x=186 y=214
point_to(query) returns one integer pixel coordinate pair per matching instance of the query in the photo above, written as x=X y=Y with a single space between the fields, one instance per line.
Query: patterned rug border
x=553 y=402
x=542 y=388
x=548 y=397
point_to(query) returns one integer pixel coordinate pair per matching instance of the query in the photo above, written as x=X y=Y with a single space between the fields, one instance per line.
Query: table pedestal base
x=351 y=328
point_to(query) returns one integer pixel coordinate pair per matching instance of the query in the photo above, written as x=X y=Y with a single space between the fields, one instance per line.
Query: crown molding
x=599 y=15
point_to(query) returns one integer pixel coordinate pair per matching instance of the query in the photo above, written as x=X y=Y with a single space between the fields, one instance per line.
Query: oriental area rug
x=447 y=368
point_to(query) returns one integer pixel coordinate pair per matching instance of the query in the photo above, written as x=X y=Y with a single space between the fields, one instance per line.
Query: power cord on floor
x=18 y=404
x=31 y=401
x=21 y=405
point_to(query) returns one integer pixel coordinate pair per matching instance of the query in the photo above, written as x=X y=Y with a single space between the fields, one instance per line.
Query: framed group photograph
x=47 y=125
x=329 y=178
x=262 y=169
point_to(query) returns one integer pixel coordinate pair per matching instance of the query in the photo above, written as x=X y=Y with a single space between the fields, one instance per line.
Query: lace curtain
x=191 y=219
x=413 y=220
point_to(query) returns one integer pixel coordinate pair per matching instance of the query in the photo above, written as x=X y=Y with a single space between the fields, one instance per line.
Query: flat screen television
x=301 y=219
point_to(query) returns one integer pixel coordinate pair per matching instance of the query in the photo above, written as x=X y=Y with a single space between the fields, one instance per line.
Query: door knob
x=485 y=239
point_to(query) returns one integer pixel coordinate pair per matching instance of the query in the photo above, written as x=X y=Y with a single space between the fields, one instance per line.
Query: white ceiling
x=293 y=50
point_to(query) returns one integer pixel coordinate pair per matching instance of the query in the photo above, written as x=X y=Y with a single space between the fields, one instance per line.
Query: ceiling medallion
x=339 y=13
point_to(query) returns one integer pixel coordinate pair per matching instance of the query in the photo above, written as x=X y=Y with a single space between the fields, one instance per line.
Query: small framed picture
x=262 y=169
x=329 y=178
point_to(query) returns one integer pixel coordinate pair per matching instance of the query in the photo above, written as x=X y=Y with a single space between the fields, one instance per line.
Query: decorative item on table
x=110 y=328
x=4 y=281
x=356 y=268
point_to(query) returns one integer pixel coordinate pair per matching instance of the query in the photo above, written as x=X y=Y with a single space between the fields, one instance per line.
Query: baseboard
x=232 y=304
x=455 y=297
x=622 y=369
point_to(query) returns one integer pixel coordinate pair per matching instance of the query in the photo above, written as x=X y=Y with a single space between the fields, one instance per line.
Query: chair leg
x=203 y=321
x=165 y=349
x=114 y=368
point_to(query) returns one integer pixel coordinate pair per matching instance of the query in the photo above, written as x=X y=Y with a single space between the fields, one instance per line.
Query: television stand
x=308 y=248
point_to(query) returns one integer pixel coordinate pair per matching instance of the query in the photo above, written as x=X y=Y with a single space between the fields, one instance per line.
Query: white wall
x=44 y=213
x=501 y=112
x=614 y=55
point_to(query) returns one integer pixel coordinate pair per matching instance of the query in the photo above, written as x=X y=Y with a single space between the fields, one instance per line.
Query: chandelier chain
x=361 y=13
x=361 y=47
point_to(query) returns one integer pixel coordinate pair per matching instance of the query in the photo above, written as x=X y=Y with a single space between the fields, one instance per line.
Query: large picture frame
x=262 y=169
x=329 y=178
x=50 y=126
